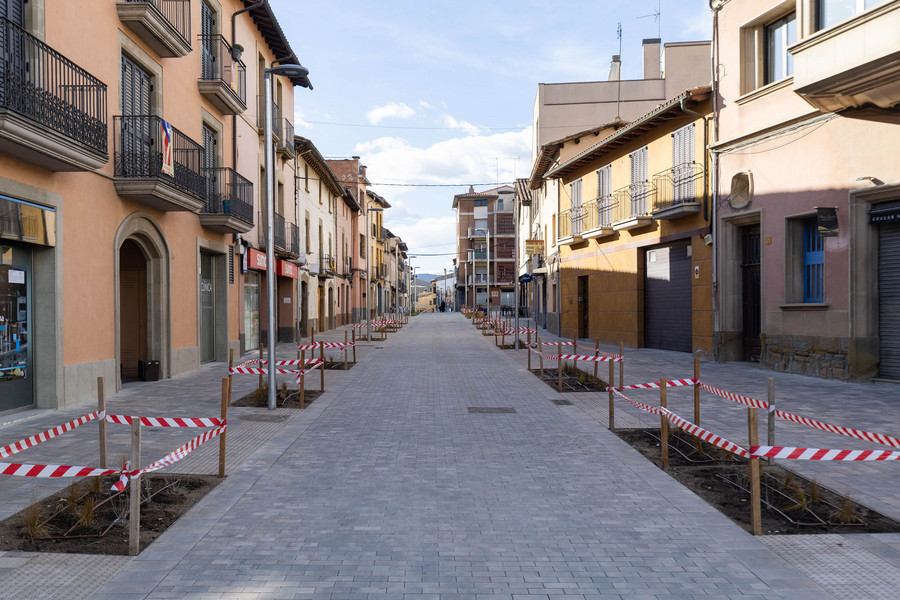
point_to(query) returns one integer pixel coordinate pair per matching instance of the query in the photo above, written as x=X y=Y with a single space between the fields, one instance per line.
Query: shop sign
x=534 y=246
x=256 y=259
x=287 y=269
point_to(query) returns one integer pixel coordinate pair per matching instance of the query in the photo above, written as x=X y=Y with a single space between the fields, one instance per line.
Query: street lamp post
x=287 y=71
x=488 y=256
x=369 y=274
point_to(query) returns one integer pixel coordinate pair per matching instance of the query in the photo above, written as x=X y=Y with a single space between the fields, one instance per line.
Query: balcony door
x=208 y=42
x=136 y=135
x=213 y=204
x=11 y=54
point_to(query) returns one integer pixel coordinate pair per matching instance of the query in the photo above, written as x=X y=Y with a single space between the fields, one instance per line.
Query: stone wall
x=814 y=356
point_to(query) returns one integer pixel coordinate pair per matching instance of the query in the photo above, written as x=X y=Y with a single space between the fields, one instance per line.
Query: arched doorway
x=142 y=297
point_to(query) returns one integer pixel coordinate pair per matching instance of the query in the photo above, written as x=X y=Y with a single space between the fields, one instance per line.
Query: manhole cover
x=264 y=418
x=491 y=410
x=560 y=402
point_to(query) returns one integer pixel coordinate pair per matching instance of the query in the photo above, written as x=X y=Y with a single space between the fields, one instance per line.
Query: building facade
x=808 y=186
x=634 y=230
x=485 y=248
x=130 y=187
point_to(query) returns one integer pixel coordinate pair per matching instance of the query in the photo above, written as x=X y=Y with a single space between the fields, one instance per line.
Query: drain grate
x=264 y=418
x=490 y=410
x=561 y=402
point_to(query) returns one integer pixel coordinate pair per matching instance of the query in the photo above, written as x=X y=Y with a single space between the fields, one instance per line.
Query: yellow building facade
x=633 y=228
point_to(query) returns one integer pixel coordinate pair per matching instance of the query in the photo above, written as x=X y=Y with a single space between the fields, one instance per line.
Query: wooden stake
x=755 y=508
x=597 y=362
x=697 y=391
x=134 y=518
x=353 y=337
x=262 y=348
x=528 y=348
x=101 y=406
x=322 y=368
x=612 y=405
x=771 y=415
x=345 y=350
x=225 y=395
x=230 y=364
x=663 y=426
x=559 y=368
x=622 y=365
x=541 y=356
x=302 y=378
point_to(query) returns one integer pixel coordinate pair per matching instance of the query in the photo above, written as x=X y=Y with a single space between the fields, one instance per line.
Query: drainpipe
x=715 y=6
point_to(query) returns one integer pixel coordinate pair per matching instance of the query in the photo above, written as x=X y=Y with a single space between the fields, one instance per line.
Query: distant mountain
x=427 y=276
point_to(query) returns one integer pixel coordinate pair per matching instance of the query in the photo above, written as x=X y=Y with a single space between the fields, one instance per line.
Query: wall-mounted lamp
x=874 y=180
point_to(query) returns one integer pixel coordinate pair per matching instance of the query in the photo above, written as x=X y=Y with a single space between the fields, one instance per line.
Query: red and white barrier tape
x=166 y=421
x=654 y=385
x=601 y=352
x=821 y=453
x=703 y=434
x=34 y=440
x=859 y=434
x=559 y=343
x=590 y=358
x=845 y=431
x=653 y=410
x=317 y=345
x=746 y=400
x=52 y=470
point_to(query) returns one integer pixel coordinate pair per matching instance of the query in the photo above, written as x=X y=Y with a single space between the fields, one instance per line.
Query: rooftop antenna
x=656 y=17
x=619 y=84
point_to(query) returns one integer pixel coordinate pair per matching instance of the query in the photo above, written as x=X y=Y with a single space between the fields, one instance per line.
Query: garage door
x=889 y=300
x=667 y=298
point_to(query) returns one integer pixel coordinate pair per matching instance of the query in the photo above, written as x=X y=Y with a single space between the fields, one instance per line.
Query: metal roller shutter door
x=889 y=300
x=667 y=298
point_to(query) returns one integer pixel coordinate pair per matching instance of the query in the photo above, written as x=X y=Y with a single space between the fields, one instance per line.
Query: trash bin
x=151 y=370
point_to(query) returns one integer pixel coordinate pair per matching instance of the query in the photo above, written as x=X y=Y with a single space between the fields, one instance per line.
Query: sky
x=435 y=97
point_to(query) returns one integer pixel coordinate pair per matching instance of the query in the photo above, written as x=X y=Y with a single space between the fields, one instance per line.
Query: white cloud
x=451 y=123
x=424 y=104
x=397 y=110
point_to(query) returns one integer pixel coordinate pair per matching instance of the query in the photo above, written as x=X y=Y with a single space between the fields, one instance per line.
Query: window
x=362 y=246
x=604 y=197
x=813 y=262
x=683 y=164
x=482 y=202
x=481 y=223
x=778 y=36
x=306 y=176
x=830 y=12
x=575 y=190
x=639 y=182
x=306 y=231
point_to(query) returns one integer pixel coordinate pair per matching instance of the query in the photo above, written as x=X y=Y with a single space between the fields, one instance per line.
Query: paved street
x=390 y=487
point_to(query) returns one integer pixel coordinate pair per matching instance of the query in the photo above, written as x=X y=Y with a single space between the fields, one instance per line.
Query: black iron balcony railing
x=285 y=135
x=279 y=231
x=328 y=266
x=139 y=154
x=228 y=193
x=682 y=183
x=41 y=84
x=293 y=235
x=217 y=64
x=261 y=116
x=176 y=12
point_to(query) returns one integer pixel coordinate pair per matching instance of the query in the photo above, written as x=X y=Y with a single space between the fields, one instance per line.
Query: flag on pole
x=168 y=156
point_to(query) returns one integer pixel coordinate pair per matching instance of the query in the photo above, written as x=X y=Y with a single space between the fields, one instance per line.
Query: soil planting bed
x=337 y=365
x=791 y=504
x=572 y=380
x=284 y=398
x=94 y=520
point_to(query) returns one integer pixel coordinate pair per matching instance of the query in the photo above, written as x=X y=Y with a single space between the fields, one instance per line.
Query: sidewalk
x=389 y=487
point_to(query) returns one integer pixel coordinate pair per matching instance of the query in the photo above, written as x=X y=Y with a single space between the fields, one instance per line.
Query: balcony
x=223 y=80
x=261 y=117
x=597 y=218
x=139 y=166
x=632 y=206
x=327 y=267
x=570 y=223
x=285 y=137
x=52 y=112
x=853 y=64
x=164 y=25
x=229 y=202
x=292 y=236
x=278 y=226
x=678 y=191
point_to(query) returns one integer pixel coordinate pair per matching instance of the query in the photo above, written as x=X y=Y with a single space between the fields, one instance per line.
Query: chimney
x=471 y=190
x=651 y=59
x=615 y=68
